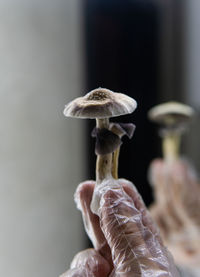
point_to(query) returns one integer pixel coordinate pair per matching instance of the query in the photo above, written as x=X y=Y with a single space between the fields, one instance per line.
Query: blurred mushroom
x=176 y=188
x=102 y=104
x=174 y=117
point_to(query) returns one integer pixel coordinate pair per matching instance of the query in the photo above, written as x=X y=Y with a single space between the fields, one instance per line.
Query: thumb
x=88 y=263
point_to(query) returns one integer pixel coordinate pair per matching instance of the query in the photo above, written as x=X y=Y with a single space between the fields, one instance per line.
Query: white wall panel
x=41 y=152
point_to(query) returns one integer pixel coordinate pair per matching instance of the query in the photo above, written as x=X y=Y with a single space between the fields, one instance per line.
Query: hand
x=176 y=208
x=177 y=192
x=125 y=238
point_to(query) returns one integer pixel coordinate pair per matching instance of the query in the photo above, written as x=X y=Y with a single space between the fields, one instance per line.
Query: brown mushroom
x=101 y=104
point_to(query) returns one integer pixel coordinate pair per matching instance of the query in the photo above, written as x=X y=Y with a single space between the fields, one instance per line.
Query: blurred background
x=52 y=52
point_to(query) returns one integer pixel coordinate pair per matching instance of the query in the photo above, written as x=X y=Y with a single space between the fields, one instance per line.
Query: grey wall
x=41 y=152
x=192 y=75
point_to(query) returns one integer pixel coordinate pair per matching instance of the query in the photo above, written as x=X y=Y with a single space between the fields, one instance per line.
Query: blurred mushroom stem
x=171 y=146
x=104 y=162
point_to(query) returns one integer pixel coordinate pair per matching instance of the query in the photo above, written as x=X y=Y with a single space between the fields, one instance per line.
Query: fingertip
x=132 y=192
x=92 y=262
x=84 y=192
x=83 y=198
x=157 y=164
x=84 y=186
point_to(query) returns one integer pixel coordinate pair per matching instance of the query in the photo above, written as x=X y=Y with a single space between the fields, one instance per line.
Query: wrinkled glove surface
x=126 y=240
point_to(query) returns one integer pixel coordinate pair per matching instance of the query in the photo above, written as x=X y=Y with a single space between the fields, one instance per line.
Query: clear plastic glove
x=126 y=240
x=176 y=208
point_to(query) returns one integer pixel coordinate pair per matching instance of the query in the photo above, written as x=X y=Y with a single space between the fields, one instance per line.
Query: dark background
x=122 y=54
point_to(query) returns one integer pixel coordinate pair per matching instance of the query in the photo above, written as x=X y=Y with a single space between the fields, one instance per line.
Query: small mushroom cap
x=171 y=113
x=100 y=103
x=122 y=129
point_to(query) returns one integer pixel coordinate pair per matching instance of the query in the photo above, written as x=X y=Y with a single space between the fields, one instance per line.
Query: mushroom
x=101 y=104
x=174 y=117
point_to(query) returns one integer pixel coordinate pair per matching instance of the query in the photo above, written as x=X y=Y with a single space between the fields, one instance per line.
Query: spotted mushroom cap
x=100 y=103
x=171 y=113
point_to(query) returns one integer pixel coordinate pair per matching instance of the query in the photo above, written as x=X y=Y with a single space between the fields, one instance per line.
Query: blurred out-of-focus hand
x=176 y=208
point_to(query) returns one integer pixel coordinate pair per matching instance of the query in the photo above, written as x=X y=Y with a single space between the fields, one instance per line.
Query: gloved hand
x=126 y=240
x=176 y=208
x=176 y=186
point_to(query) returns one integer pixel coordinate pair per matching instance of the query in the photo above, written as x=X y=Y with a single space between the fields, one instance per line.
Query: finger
x=147 y=220
x=88 y=263
x=167 y=195
x=83 y=198
x=134 y=243
x=155 y=171
x=186 y=190
x=183 y=171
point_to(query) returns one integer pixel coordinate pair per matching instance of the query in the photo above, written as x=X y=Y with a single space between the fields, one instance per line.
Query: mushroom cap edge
x=171 y=113
x=100 y=103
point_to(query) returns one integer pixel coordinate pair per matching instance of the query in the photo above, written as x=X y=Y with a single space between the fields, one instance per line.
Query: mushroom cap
x=100 y=103
x=171 y=113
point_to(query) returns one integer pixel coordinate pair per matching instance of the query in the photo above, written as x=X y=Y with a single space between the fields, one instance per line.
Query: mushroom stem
x=170 y=146
x=104 y=162
x=115 y=163
x=102 y=123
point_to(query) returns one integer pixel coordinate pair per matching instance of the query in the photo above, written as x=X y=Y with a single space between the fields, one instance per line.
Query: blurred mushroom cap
x=100 y=103
x=171 y=113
